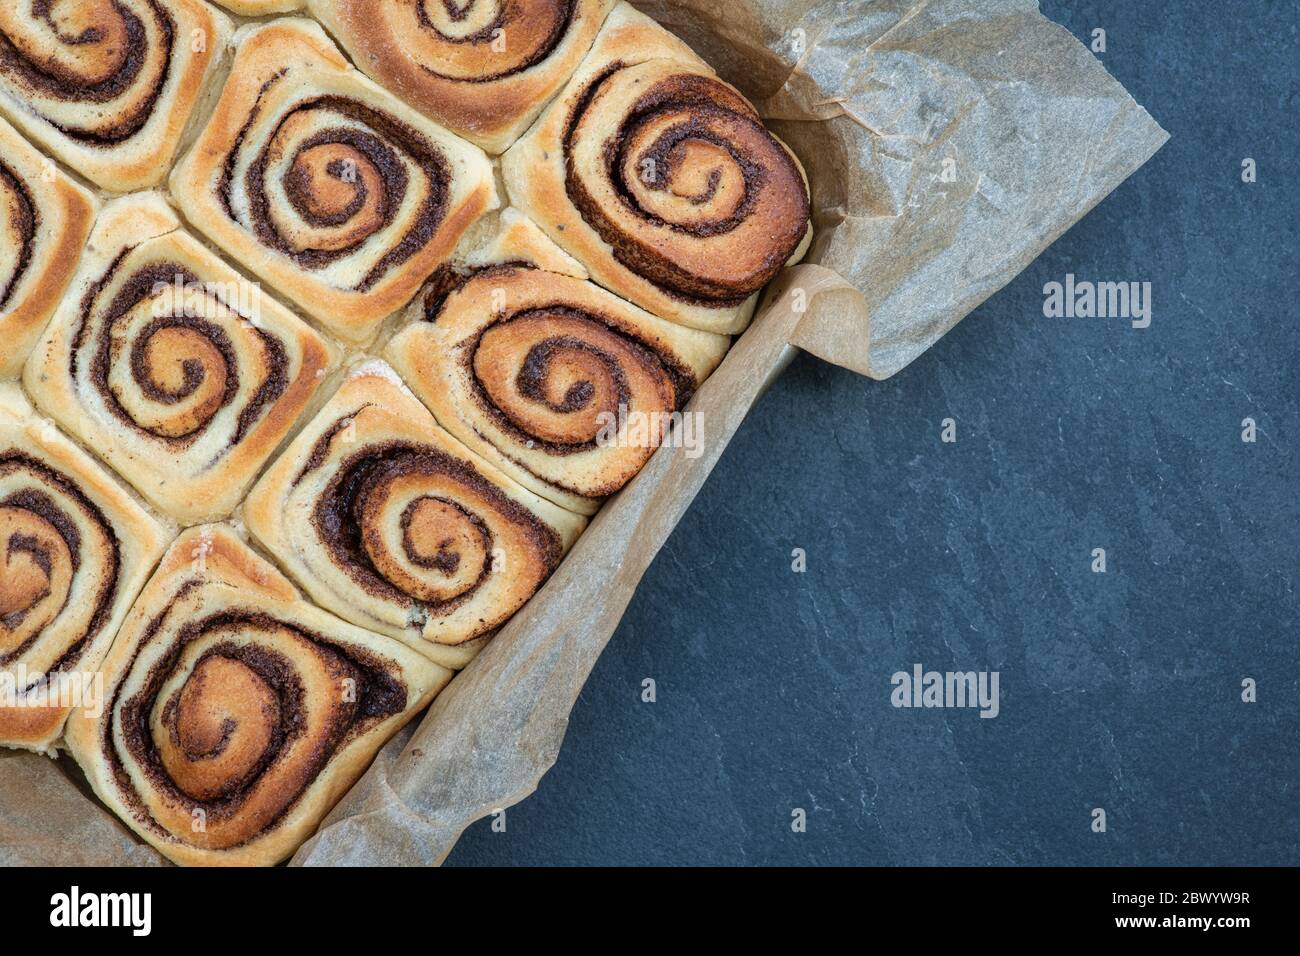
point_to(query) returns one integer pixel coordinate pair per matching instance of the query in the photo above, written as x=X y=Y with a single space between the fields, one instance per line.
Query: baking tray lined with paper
x=947 y=144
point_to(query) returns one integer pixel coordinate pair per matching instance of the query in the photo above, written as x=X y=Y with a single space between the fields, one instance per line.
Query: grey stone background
x=1119 y=690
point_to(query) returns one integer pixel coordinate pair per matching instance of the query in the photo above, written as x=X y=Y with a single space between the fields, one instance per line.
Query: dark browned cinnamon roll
x=661 y=179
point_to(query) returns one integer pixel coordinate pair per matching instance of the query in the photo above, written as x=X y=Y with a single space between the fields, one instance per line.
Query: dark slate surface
x=1119 y=690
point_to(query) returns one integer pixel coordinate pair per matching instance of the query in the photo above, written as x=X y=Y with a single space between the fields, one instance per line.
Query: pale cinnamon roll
x=563 y=386
x=45 y=218
x=386 y=520
x=482 y=68
x=336 y=193
x=236 y=714
x=74 y=551
x=108 y=86
x=661 y=179
x=175 y=369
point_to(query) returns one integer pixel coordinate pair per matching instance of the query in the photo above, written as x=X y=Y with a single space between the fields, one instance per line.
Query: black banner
x=333 y=906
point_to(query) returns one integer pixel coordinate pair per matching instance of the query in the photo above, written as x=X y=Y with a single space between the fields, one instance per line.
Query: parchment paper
x=874 y=96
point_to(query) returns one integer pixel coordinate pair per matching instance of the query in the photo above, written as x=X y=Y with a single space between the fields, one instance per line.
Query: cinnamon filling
x=176 y=359
x=357 y=189
x=21 y=592
x=437 y=533
x=22 y=223
x=249 y=724
x=534 y=27
x=687 y=160
x=123 y=59
x=575 y=366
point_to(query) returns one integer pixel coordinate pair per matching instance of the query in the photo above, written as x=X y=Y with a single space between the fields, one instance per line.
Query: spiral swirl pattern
x=179 y=370
x=237 y=713
x=483 y=68
x=44 y=522
x=107 y=84
x=355 y=197
x=388 y=522
x=73 y=552
x=697 y=196
x=17 y=233
x=534 y=371
x=661 y=179
x=44 y=221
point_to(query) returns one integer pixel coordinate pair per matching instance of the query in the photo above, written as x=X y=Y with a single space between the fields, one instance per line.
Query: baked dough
x=44 y=220
x=661 y=179
x=335 y=192
x=386 y=520
x=563 y=386
x=482 y=68
x=175 y=369
x=260 y=8
x=236 y=714
x=75 y=549
x=108 y=87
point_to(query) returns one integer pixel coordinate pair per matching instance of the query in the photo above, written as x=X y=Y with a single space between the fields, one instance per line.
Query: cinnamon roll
x=566 y=388
x=333 y=191
x=482 y=68
x=44 y=220
x=661 y=179
x=236 y=714
x=74 y=551
x=386 y=520
x=108 y=86
x=177 y=371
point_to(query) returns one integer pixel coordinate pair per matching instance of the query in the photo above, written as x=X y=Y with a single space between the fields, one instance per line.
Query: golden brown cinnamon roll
x=236 y=714
x=44 y=220
x=563 y=386
x=482 y=68
x=388 y=521
x=661 y=180
x=108 y=86
x=333 y=191
x=74 y=550
x=175 y=369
